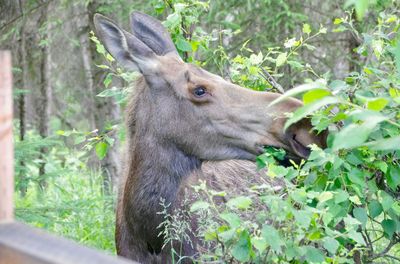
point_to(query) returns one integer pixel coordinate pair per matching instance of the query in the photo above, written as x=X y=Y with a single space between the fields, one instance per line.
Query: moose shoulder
x=179 y=116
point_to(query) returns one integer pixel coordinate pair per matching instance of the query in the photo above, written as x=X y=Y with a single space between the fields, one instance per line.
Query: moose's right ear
x=126 y=49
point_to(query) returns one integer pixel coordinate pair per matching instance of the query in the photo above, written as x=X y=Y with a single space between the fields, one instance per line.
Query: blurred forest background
x=69 y=97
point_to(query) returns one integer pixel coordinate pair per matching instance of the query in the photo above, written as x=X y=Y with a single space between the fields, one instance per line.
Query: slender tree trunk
x=103 y=110
x=21 y=102
x=354 y=42
x=82 y=24
x=43 y=106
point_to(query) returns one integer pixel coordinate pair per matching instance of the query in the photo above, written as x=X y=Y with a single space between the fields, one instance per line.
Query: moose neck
x=159 y=169
x=156 y=167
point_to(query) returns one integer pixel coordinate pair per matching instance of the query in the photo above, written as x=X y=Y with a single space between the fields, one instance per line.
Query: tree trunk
x=21 y=102
x=43 y=106
x=103 y=110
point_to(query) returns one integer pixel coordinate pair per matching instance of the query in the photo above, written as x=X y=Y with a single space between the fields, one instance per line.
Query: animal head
x=199 y=112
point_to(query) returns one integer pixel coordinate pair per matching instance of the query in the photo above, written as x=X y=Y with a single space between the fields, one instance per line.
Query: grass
x=73 y=205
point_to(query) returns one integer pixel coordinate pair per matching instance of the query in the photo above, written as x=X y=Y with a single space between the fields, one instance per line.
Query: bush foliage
x=340 y=206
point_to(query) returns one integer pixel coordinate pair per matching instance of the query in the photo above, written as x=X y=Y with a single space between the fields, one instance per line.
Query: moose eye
x=199 y=91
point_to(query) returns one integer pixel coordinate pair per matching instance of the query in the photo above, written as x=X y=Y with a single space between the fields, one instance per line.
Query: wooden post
x=6 y=140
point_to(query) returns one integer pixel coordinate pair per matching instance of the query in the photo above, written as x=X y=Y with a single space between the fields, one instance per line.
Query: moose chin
x=186 y=124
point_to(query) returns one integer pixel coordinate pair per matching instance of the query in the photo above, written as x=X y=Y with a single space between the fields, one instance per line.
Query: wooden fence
x=19 y=243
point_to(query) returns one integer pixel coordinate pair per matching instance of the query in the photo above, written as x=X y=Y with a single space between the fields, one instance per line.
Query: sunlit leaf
x=240 y=202
x=281 y=59
x=101 y=149
x=319 y=84
x=377 y=104
x=309 y=109
x=306 y=29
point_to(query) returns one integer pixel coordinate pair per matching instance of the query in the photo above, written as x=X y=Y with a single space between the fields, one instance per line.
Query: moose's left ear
x=151 y=32
x=128 y=50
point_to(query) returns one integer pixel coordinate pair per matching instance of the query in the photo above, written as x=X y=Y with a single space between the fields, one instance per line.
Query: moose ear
x=152 y=33
x=127 y=50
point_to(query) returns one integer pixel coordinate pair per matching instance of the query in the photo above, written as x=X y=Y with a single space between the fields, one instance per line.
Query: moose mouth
x=295 y=151
x=298 y=148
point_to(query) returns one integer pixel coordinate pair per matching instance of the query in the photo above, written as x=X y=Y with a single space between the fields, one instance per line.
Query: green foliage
x=344 y=201
x=28 y=158
x=74 y=204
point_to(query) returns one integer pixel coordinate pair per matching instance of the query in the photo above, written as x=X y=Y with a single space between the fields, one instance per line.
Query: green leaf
x=259 y=243
x=355 y=135
x=357 y=176
x=199 y=205
x=281 y=59
x=172 y=21
x=107 y=80
x=272 y=237
x=387 y=201
x=308 y=109
x=318 y=84
x=306 y=29
x=276 y=170
x=316 y=94
x=303 y=218
x=389 y=227
x=79 y=139
x=242 y=248
x=355 y=199
x=341 y=196
x=295 y=64
x=256 y=59
x=356 y=236
x=240 y=202
x=392 y=143
x=374 y=208
x=325 y=196
x=227 y=235
x=331 y=245
x=101 y=149
x=183 y=45
x=232 y=219
x=314 y=255
x=377 y=104
x=337 y=21
x=393 y=177
x=102 y=66
x=361 y=215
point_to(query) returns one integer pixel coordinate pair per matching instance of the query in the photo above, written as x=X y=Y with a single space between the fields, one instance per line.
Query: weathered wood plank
x=6 y=143
x=20 y=244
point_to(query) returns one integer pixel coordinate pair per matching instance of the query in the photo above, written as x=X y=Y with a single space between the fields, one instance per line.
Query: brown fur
x=147 y=180
x=173 y=131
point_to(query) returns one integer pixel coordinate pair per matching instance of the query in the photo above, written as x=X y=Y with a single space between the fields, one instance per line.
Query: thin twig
x=392 y=257
x=368 y=240
x=268 y=77
x=386 y=250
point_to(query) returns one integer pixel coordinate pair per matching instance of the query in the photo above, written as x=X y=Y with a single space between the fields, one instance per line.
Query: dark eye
x=199 y=91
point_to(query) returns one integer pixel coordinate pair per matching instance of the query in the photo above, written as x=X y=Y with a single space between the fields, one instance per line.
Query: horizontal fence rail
x=21 y=244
